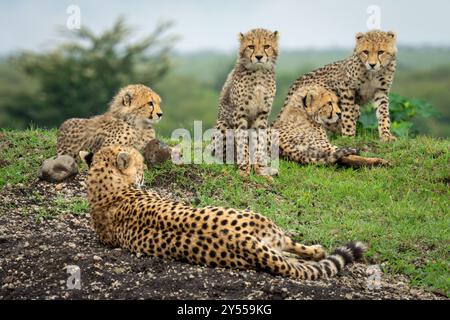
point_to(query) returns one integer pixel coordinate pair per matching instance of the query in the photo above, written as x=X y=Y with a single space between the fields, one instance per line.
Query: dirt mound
x=40 y=238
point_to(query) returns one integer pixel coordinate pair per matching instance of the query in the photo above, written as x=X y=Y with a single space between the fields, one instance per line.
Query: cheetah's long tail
x=276 y=263
x=341 y=257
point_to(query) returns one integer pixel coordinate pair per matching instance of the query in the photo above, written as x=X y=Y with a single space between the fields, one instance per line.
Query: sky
x=214 y=25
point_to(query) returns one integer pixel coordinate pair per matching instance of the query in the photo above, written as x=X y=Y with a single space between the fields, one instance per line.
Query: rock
x=59 y=168
x=156 y=152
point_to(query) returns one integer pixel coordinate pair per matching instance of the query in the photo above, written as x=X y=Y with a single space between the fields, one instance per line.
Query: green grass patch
x=402 y=211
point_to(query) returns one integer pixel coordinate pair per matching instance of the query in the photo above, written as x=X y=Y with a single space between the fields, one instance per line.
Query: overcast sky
x=213 y=24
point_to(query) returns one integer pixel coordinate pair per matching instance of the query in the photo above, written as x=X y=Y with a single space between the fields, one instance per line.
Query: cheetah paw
x=388 y=138
x=319 y=252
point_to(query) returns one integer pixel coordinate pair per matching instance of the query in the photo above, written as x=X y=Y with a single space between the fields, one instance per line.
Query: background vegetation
x=401 y=211
x=79 y=78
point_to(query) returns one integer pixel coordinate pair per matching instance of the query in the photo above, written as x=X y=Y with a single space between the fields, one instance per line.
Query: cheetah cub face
x=321 y=105
x=376 y=49
x=128 y=165
x=138 y=105
x=258 y=49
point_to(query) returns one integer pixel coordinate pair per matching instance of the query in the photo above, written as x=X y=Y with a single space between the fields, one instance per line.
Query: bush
x=79 y=77
x=403 y=112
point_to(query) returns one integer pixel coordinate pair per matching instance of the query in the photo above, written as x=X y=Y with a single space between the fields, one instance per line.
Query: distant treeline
x=79 y=78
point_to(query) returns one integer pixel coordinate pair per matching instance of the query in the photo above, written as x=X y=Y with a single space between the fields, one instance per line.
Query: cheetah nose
x=159 y=114
x=372 y=65
x=259 y=57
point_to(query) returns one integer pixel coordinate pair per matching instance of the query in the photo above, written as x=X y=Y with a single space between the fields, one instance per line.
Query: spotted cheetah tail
x=345 y=255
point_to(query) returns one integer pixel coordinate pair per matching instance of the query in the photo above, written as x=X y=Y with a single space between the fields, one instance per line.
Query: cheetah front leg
x=241 y=143
x=306 y=155
x=261 y=140
x=219 y=145
x=381 y=104
x=350 y=114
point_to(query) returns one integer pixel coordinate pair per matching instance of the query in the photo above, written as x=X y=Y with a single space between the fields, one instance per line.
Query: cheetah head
x=138 y=105
x=258 y=49
x=119 y=165
x=321 y=105
x=376 y=49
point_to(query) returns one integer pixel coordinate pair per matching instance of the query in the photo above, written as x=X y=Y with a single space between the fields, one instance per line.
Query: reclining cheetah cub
x=301 y=131
x=364 y=77
x=141 y=221
x=246 y=101
x=128 y=122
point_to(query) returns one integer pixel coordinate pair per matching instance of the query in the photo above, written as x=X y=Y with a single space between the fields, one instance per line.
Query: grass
x=402 y=212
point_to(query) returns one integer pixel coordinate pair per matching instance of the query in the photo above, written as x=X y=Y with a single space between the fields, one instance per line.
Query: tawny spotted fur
x=301 y=129
x=364 y=77
x=141 y=221
x=246 y=99
x=128 y=122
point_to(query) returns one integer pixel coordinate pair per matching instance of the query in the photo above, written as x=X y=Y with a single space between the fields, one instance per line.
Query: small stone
x=59 y=168
x=8 y=279
x=97 y=258
x=119 y=270
x=156 y=152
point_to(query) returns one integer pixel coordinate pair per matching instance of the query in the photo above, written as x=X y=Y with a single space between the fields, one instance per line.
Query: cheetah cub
x=128 y=122
x=364 y=77
x=246 y=101
x=126 y=216
x=301 y=131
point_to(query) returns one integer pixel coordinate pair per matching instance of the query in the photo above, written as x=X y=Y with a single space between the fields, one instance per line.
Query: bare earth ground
x=35 y=252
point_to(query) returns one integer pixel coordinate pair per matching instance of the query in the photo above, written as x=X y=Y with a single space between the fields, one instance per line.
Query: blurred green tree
x=79 y=77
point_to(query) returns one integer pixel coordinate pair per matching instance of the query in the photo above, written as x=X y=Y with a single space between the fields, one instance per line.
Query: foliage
x=79 y=77
x=401 y=211
x=402 y=113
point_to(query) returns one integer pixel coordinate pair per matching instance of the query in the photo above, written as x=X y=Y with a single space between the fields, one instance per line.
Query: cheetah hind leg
x=358 y=161
x=269 y=259
x=314 y=252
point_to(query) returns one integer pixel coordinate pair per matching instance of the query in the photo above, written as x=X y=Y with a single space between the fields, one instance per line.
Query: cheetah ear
x=359 y=36
x=275 y=35
x=241 y=36
x=307 y=99
x=123 y=160
x=392 y=34
x=86 y=157
x=127 y=99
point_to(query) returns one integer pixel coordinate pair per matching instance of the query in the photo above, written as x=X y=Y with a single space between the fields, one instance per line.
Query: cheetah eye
x=251 y=47
x=266 y=47
x=150 y=103
x=380 y=52
x=366 y=52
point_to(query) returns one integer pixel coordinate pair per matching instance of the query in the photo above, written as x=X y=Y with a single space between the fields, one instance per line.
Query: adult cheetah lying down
x=301 y=131
x=125 y=216
x=128 y=122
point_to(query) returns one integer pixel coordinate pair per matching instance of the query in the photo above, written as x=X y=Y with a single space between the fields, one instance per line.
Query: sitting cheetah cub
x=128 y=122
x=141 y=221
x=364 y=77
x=301 y=131
x=246 y=101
